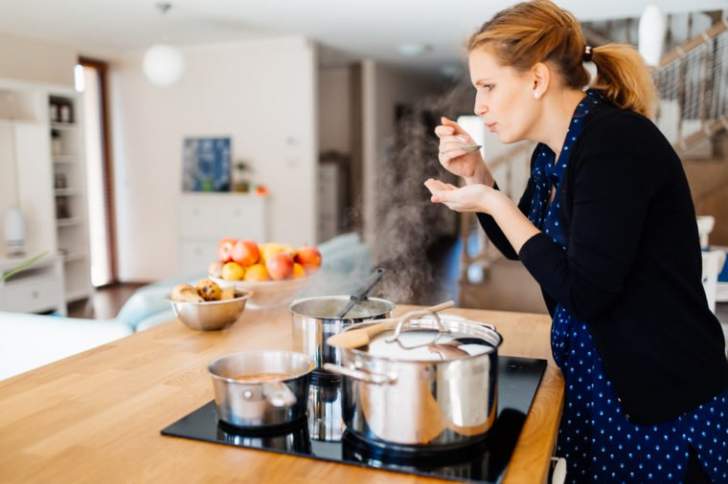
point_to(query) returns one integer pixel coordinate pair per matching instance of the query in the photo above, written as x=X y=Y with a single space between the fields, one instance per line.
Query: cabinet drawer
x=30 y=296
x=196 y=256
x=214 y=216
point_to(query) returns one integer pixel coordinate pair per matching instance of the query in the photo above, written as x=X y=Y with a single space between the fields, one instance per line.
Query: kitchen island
x=97 y=416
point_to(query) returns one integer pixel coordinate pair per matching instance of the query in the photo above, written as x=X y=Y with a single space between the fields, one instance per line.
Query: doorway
x=92 y=81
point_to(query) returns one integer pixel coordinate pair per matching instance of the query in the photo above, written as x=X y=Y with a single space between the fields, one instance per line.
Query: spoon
x=363 y=292
x=466 y=148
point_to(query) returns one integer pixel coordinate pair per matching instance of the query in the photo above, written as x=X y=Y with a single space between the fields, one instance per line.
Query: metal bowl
x=210 y=315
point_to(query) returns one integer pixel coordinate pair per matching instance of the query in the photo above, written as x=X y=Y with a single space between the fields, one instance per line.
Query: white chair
x=705 y=227
x=713 y=261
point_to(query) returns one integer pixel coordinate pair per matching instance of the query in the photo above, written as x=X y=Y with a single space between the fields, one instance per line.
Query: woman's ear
x=540 y=79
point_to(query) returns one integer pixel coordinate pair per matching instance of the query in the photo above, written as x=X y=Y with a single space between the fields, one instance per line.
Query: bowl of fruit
x=206 y=306
x=272 y=273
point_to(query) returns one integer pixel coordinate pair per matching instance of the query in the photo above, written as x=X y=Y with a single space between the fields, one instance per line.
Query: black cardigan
x=632 y=268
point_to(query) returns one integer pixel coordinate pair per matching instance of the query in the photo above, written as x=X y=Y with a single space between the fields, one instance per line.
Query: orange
x=298 y=271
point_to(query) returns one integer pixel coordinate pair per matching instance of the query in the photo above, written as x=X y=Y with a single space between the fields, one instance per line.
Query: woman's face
x=503 y=97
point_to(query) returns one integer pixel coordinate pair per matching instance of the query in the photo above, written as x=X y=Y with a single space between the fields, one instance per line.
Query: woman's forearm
x=514 y=224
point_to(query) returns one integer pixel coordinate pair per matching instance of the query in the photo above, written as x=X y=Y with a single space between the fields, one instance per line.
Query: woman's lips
x=491 y=126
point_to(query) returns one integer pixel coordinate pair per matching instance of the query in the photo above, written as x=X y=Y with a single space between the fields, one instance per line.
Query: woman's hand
x=456 y=159
x=480 y=198
x=470 y=198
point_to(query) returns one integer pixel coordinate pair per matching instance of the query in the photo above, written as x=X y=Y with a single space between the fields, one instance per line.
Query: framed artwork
x=206 y=164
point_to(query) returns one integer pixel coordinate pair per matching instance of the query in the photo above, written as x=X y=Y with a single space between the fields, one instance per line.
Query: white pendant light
x=651 y=34
x=163 y=64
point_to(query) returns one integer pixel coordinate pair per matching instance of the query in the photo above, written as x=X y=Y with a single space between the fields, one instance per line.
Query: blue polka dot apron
x=598 y=442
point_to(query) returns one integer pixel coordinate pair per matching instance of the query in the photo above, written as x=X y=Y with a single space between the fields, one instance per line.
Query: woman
x=606 y=226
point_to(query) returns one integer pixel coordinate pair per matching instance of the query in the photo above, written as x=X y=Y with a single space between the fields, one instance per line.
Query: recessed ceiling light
x=414 y=49
x=451 y=71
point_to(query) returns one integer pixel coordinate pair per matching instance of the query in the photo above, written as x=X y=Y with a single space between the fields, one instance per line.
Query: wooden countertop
x=96 y=416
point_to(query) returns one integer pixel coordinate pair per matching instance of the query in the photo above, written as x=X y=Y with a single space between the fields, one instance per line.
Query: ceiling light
x=163 y=64
x=414 y=49
x=651 y=34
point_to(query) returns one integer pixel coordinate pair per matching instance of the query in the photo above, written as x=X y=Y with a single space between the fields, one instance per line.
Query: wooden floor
x=105 y=302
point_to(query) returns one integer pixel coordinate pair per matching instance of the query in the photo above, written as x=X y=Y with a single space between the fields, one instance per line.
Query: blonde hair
x=540 y=31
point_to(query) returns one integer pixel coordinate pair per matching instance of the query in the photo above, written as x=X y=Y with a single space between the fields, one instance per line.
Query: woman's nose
x=480 y=108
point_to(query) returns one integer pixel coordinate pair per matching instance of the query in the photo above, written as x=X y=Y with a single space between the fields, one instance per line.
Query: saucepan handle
x=361 y=375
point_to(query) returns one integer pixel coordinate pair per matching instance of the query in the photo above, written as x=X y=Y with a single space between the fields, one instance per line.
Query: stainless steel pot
x=251 y=403
x=432 y=381
x=324 y=411
x=314 y=319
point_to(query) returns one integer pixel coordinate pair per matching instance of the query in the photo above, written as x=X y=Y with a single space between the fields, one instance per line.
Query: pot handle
x=361 y=375
x=278 y=394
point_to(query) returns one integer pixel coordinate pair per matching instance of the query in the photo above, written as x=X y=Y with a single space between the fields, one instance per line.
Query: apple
x=246 y=253
x=280 y=266
x=232 y=271
x=225 y=249
x=309 y=258
x=257 y=272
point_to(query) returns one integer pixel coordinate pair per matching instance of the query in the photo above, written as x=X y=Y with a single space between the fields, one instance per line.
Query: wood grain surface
x=96 y=417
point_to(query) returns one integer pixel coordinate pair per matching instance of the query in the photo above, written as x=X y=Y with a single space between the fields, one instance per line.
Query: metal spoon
x=361 y=294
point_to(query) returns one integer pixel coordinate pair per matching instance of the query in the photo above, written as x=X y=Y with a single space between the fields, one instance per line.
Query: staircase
x=692 y=83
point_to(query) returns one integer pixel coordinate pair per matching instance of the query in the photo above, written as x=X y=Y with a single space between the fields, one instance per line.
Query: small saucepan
x=255 y=389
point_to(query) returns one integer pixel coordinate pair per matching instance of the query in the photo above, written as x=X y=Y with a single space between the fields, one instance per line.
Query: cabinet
x=67 y=154
x=37 y=289
x=43 y=172
x=205 y=218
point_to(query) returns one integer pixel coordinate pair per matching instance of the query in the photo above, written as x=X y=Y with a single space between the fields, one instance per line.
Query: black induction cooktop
x=322 y=435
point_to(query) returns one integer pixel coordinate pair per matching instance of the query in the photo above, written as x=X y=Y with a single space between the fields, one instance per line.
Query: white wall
x=383 y=88
x=8 y=175
x=262 y=93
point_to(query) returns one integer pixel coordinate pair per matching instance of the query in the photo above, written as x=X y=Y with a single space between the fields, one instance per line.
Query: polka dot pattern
x=596 y=437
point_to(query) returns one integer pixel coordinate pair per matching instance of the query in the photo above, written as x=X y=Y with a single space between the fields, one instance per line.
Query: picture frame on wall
x=206 y=164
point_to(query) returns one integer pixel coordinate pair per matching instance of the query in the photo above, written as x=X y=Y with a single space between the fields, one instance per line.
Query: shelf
x=68 y=222
x=64 y=159
x=66 y=192
x=64 y=126
x=77 y=256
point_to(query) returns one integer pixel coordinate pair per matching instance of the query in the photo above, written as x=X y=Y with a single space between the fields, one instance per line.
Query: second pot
x=315 y=319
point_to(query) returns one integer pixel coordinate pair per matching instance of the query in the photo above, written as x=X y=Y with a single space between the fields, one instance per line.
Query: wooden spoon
x=361 y=337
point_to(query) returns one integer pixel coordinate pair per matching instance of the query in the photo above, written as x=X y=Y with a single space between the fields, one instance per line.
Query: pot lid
x=426 y=340
x=328 y=307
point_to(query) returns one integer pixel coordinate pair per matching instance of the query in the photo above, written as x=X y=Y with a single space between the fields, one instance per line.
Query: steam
x=407 y=222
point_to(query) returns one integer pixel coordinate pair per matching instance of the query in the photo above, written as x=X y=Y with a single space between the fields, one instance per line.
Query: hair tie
x=587 y=53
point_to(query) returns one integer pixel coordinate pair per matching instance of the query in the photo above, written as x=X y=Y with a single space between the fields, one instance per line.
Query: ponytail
x=624 y=78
